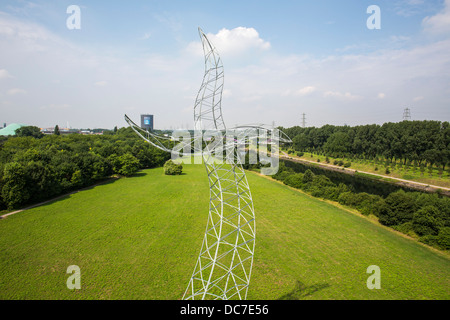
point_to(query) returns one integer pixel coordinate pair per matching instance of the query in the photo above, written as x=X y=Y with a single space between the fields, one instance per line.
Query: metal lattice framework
x=224 y=264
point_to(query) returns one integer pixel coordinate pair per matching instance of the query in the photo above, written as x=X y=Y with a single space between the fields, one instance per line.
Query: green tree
x=338 y=143
x=29 y=131
x=426 y=221
x=15 y=190
x=56 y=131
x=402 y=207
x=171 y=168
x=443 y=239
x=294 y=180
x=129 y=165
x=301 y=142
x=77 y=179
x=308 y=176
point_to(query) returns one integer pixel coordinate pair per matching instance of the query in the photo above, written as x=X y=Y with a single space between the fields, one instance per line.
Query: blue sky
x=281 y=59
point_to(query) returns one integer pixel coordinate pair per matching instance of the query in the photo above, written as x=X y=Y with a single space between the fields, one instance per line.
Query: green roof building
x=10 y=130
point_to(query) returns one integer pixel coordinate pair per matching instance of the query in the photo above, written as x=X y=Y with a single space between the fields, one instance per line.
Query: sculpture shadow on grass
x=302 y=291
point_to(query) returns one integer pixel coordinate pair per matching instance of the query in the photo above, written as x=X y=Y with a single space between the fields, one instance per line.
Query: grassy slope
x=138 y=238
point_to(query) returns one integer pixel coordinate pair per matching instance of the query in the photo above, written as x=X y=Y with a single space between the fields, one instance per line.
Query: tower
x=303 y=120
x=147 y=122
x=407 y=114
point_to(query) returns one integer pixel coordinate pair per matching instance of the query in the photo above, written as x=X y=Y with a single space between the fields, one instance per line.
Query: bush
x=15 y=191
x=425 y=221
x=300 y=154
x=308 y=176
x=294 y=180
x=402 y=205
x=171 y=168
x=443 y=239
x=347 y=164
x=406 y=228
x=281 y=176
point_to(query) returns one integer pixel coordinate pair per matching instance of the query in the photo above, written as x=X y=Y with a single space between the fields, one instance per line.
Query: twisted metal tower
x=224 y=264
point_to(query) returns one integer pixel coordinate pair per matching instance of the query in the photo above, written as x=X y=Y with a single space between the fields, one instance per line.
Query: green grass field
x=138 y=238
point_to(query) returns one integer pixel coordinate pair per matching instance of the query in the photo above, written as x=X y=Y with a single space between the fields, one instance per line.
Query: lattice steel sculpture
x=224 y=264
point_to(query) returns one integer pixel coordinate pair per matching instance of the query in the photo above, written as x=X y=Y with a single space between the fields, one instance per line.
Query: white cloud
x=439 y=23
x=341 y=96
x=226 y=93
x=306 y=90
x=15 y=91
x=408 y=8
x=299 y=92
x=100 y=83
x=4 y=74
x=146 y=36
x=418 y=98
x=381 y=95
x=233 y=42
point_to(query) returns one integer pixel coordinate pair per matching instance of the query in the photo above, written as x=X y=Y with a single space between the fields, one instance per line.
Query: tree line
x=420 y=142
x=421 y=215
x=34 y=167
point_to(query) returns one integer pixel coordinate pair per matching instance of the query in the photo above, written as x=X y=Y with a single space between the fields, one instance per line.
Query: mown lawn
x=138 y=238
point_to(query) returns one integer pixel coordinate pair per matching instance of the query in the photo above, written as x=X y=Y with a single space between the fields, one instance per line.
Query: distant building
x=10 y=130
x=147 y=122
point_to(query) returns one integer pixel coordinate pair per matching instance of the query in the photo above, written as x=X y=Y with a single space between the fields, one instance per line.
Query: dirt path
x=407 y=183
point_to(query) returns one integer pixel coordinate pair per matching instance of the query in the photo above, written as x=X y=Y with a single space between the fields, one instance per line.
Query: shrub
x=347 y=164
x=402 y=205
x=171 y=168
x=443 y=239
x=308 y=176
x=300 y=154
x=281 y=176
x=294 y=180
x=406 y=228
x=129 y=164
x=425 y=221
